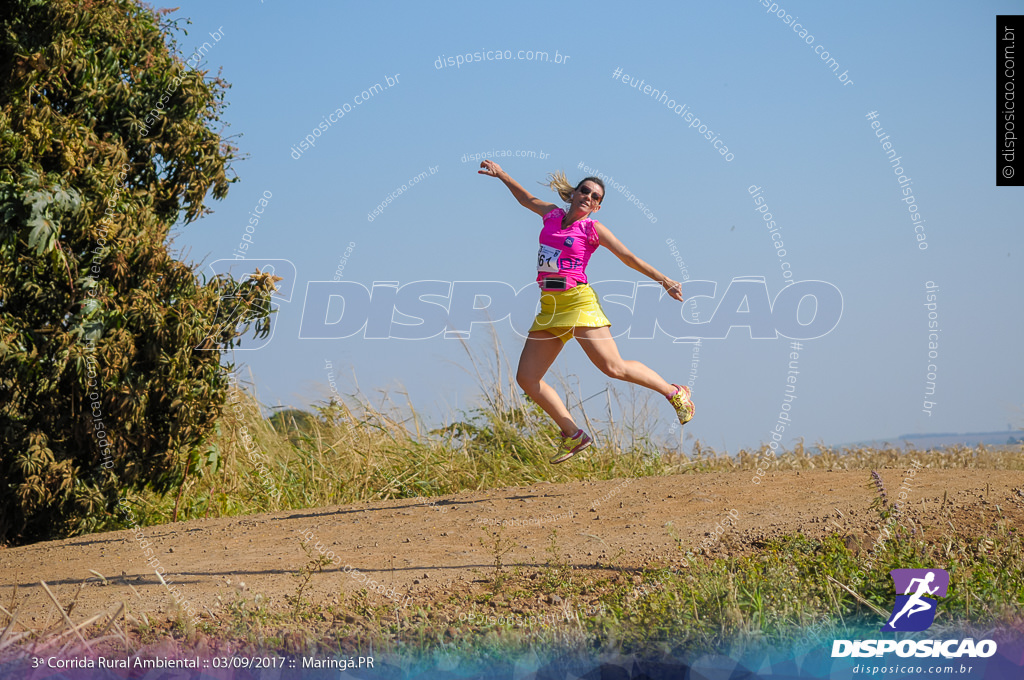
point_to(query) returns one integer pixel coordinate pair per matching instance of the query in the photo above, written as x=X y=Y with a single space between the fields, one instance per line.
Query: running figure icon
x=913 y=586
x=915 y=604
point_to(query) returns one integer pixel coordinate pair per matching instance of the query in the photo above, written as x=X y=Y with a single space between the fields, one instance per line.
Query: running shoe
x=682 y=404
x=570 y=446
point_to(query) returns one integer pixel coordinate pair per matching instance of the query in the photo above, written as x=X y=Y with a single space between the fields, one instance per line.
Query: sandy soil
x=424 y=549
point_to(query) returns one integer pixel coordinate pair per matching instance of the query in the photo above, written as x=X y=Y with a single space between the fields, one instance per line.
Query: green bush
x=106 y=141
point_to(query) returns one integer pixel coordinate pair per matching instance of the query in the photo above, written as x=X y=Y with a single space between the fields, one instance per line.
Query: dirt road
x=418 y=550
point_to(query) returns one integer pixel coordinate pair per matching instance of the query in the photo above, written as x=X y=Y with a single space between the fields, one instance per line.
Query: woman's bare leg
x=540 y=351
x=600 y=347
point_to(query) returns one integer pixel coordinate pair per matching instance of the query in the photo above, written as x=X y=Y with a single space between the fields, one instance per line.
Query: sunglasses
x=586 y=191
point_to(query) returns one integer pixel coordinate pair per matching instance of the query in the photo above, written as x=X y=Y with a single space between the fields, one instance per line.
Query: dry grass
x=355 y=451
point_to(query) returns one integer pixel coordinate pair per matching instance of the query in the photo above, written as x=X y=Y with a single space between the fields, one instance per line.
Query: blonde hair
x=557 y=181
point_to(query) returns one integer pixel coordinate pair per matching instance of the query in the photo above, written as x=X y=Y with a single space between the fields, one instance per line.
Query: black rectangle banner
x=1008 y=163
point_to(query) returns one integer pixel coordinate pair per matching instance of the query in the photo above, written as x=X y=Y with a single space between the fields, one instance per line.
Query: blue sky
x=794 y=129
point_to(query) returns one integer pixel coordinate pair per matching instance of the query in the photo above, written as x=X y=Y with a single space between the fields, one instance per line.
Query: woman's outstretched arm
x=525 y=198
x=620 y=251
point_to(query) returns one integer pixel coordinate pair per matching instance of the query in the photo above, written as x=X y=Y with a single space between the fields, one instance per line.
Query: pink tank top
x=566 y=252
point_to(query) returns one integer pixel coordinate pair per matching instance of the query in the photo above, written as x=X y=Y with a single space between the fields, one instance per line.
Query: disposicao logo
x=914 y=611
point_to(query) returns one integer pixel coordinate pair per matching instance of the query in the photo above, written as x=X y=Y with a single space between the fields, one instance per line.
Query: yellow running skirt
x=563 y=310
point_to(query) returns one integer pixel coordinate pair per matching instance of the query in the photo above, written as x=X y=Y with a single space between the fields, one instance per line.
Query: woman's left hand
x=674 y=288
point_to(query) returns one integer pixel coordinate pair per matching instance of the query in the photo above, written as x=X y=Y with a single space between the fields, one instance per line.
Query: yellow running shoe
x=682 y=404
x=570 y=446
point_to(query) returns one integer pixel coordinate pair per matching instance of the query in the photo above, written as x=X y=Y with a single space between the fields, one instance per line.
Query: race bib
x=547 y=259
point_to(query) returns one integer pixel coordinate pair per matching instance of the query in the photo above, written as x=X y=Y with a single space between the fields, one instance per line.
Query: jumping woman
x=570 y=308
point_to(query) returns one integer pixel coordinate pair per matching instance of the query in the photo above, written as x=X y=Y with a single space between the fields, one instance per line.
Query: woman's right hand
x=525 y=198
x=490 y=168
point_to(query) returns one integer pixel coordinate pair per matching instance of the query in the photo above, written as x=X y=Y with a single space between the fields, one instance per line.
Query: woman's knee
x=528 y=382
x=614 y=369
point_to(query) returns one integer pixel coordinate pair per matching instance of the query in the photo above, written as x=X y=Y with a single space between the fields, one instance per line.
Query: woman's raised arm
x=525 y=198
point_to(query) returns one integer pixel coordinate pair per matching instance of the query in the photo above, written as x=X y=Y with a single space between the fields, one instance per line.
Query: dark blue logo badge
x=568 y=241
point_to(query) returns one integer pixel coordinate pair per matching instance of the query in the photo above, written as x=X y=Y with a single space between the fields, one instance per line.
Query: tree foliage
x=110 y=348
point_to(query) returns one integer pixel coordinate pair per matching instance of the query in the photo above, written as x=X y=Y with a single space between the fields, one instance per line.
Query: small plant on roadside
x=557 y=570
x=881 y=501
x=315 y=565
x=499 y=546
